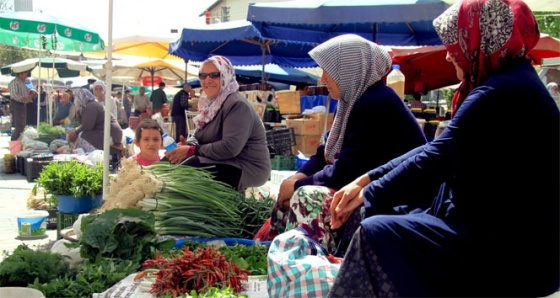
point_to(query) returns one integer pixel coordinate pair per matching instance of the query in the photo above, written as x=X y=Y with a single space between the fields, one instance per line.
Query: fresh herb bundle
x=71 y=178
x=46 y=128
x=26 y=265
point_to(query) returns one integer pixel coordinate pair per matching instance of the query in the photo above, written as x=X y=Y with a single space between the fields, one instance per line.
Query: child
x=148 y=139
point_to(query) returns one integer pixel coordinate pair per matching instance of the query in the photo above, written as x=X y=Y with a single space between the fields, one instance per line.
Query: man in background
x=19 y=97
x=127 y=103
x=65 y=110
x=89 y=85
x=158 y=98
x=179 y=107
x=141 y=102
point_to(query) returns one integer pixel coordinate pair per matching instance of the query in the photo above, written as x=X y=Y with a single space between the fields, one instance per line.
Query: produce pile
x=200 y=270
x=119 y=242
x=46 y=128
x=186 y=201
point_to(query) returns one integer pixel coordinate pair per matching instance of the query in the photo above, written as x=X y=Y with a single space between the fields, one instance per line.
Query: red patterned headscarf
x=483 y=36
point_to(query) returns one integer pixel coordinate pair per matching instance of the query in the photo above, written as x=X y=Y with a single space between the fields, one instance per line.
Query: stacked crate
x=280 y=142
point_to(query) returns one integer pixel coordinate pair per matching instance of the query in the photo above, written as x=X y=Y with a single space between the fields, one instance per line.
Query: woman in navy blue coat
x=372 y=125
x=493 y=230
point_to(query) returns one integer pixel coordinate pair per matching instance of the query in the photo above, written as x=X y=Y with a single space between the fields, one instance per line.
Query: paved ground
x=14 y=191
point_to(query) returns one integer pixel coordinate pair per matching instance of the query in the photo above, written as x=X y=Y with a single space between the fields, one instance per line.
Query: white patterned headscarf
x=82 y=98
x=209 y=107
x=100 y=83
x=355 y=64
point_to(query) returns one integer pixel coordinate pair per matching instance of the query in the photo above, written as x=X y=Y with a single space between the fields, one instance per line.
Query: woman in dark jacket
x=372 y=125
x=493 y=229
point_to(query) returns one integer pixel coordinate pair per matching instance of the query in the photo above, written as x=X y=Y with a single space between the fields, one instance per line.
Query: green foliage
x=249 y=257
x=91 y=278
x=254 y=211
x=88 y=181
x=46 y=128
x=9 y=54
x=126 y=234
x=448 y=95
x=71 y=178
x=549 y=22
x=25 y=265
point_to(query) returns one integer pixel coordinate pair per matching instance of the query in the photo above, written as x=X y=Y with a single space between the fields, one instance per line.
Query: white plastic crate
x=277 y=177
x=256 y=287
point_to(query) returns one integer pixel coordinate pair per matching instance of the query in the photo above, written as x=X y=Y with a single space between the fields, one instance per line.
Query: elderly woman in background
x=229 y=134
x=99 y=90
x=493 y=228
x=89 y=135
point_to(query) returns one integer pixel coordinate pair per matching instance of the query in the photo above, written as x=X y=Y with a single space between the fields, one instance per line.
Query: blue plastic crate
x=227 y=241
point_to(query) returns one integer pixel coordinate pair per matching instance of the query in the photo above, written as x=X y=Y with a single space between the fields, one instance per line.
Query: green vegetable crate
x=64 y=220
x=283 y=163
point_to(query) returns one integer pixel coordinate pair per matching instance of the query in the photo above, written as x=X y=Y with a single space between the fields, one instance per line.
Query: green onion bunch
x=192 y=203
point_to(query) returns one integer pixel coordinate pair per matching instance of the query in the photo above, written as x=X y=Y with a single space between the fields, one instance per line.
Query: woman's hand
x=346 y=200
x=182 y=140
x=178 y=155
x=287 y=190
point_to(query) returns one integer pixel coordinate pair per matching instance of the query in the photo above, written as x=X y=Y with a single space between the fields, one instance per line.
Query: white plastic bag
x=95 y=156
x=77 y=226
x=159 y=119
x=30 y=132
x=73 y=257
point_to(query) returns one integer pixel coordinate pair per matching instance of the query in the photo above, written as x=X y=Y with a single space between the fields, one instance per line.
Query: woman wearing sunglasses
x=229 y=135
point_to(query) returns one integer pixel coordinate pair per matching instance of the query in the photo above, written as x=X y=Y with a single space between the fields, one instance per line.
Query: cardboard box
x=321 y=118
x=311 y=124
x=307 y=144
x=288 y=101
x=311 y=127
x=305 y=126
x=296 y=124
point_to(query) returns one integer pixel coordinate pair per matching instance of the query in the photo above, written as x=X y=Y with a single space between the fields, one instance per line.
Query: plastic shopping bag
x=298 y=266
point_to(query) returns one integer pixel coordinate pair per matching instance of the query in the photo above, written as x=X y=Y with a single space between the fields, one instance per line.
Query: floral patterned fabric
x=310 y=207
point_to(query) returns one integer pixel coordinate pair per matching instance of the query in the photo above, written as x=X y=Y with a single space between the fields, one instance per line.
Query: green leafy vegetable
x=26 y=265
x=126 y=234
x=91 y=278
x=71 y=178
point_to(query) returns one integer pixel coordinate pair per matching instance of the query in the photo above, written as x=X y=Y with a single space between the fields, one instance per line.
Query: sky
x=130 y=17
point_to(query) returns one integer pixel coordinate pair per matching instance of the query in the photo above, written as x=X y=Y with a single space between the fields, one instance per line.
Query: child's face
x=149 y=143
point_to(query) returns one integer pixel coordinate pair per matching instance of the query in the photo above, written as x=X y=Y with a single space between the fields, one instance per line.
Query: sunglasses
x=212 y=75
